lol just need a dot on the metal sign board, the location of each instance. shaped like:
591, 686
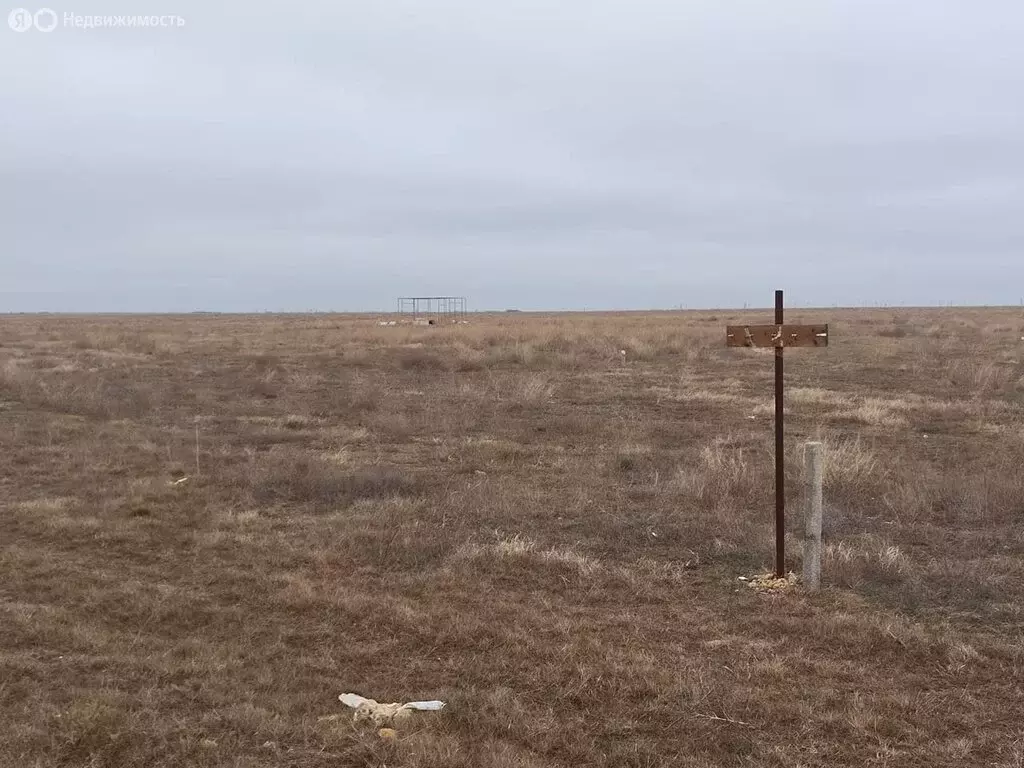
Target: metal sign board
770, 336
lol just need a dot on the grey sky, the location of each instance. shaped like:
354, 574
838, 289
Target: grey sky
527, 153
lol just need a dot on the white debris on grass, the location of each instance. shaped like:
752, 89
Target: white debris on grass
386, 714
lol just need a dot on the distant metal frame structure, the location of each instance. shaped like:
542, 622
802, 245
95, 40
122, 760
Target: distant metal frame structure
445, 308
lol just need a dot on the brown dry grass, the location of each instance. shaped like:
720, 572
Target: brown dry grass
512, 516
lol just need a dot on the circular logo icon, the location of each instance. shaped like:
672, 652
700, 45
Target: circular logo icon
45, 20
20, 20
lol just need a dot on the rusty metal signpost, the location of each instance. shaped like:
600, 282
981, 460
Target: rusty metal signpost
778, 336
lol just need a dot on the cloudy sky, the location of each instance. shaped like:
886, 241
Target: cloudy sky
334, 154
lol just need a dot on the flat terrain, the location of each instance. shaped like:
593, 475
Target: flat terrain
211, 526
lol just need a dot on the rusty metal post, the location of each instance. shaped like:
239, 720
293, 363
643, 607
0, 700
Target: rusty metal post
780, 451
778, 336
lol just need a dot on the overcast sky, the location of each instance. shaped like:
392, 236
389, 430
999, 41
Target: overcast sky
554, 154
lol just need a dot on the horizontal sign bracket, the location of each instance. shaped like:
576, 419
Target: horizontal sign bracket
777, 335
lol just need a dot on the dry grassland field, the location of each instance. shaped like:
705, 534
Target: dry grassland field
512, 517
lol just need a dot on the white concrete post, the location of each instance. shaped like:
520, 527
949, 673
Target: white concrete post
812, 522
